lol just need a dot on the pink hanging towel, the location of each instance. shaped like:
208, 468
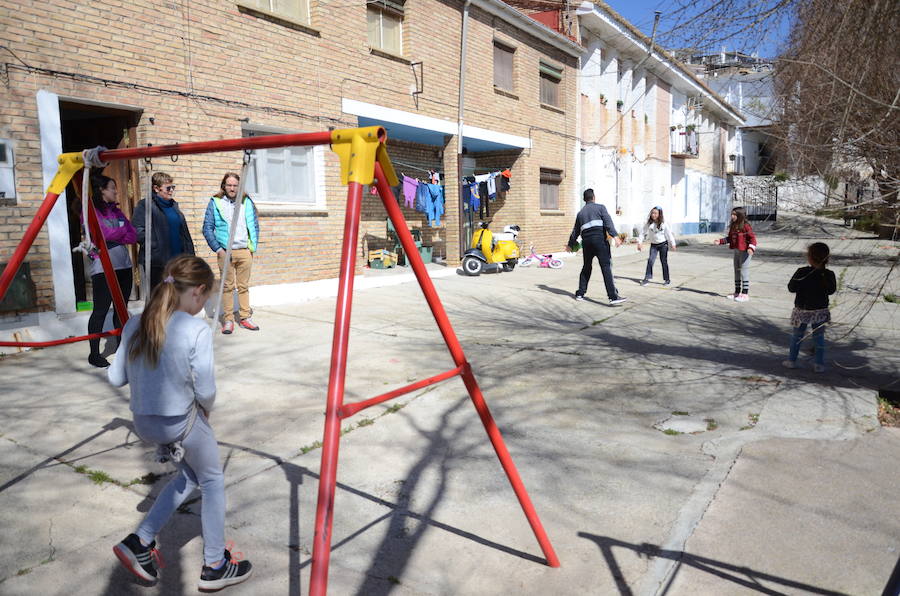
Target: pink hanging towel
410, 186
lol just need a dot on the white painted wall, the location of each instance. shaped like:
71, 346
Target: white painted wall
57, 222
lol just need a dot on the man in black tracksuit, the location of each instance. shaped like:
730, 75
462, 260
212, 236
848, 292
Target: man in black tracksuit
592, 224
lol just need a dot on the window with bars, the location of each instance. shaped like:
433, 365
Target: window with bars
503, 66
295, 10
284, 176
550, 180
384, 19
551, 76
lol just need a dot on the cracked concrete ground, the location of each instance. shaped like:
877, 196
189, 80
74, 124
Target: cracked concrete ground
789, 490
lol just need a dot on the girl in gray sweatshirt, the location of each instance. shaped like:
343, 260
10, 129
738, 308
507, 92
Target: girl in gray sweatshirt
166, 358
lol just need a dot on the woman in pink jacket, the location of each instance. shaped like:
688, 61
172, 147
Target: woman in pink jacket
118, 233
742, 241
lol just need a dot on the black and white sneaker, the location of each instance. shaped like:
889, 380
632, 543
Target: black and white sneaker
667, 284
579, 297
137, 558
644, 282
618, 300
231, 573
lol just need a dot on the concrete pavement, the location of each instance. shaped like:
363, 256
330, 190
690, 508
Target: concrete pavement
785, 482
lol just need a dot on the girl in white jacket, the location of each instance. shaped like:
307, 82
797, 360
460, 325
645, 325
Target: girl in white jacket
661, 239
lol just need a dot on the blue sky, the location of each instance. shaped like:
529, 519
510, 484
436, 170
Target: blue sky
640, 14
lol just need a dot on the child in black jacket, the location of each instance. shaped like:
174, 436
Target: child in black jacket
812, 285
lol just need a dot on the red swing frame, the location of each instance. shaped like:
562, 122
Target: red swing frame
364, 159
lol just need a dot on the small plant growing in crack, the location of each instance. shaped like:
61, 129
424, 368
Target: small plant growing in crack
97, 476
394, 408
672, 432
365, 422
680, 413
753, 419
711, 423
307, 448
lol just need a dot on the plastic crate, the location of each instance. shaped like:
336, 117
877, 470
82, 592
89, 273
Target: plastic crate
426, 253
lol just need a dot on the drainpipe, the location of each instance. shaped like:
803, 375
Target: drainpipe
459, 133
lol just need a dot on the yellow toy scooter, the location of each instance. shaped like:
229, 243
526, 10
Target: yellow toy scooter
492, 254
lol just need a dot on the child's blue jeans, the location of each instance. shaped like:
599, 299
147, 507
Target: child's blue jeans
201, 468
818, 334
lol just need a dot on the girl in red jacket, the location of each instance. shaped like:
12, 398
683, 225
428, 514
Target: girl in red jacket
742, 241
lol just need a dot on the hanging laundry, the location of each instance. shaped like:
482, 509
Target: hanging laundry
492, 185
410, 187
434, 177
423, 197
484, 209
506, 173
504, 183
435, 207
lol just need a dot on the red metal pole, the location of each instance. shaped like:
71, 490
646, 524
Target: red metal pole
437, 309
111, 280
266, 142
318, 579
348, 410
58, 342
9, 272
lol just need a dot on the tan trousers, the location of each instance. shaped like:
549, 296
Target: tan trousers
241, 263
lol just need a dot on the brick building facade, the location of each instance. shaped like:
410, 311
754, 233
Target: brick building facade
136, 73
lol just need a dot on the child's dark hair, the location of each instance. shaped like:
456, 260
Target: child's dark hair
659, 220
181, 273
740, 221
818, 253
98, 183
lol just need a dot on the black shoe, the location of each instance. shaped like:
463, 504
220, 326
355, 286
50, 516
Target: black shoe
98, 361
137, 558
231, 573
617, 300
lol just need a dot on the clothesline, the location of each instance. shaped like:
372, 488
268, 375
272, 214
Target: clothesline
415, 167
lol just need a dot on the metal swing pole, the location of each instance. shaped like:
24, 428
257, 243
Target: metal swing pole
236, 214
459, 358
321, 554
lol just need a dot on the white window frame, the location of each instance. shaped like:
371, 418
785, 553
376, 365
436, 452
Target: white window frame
268, 7
7, 172
312, 198
382, 10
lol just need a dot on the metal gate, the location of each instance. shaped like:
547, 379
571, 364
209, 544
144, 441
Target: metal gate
760, 200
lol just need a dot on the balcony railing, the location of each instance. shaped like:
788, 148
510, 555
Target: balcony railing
735, 165
685, 143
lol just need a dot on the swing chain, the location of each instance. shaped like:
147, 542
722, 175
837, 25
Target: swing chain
174, 158
247, 156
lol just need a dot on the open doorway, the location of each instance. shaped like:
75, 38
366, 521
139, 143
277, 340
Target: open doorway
87, 125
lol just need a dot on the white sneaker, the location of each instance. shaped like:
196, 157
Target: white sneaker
742, 298
789, 363
579, 297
